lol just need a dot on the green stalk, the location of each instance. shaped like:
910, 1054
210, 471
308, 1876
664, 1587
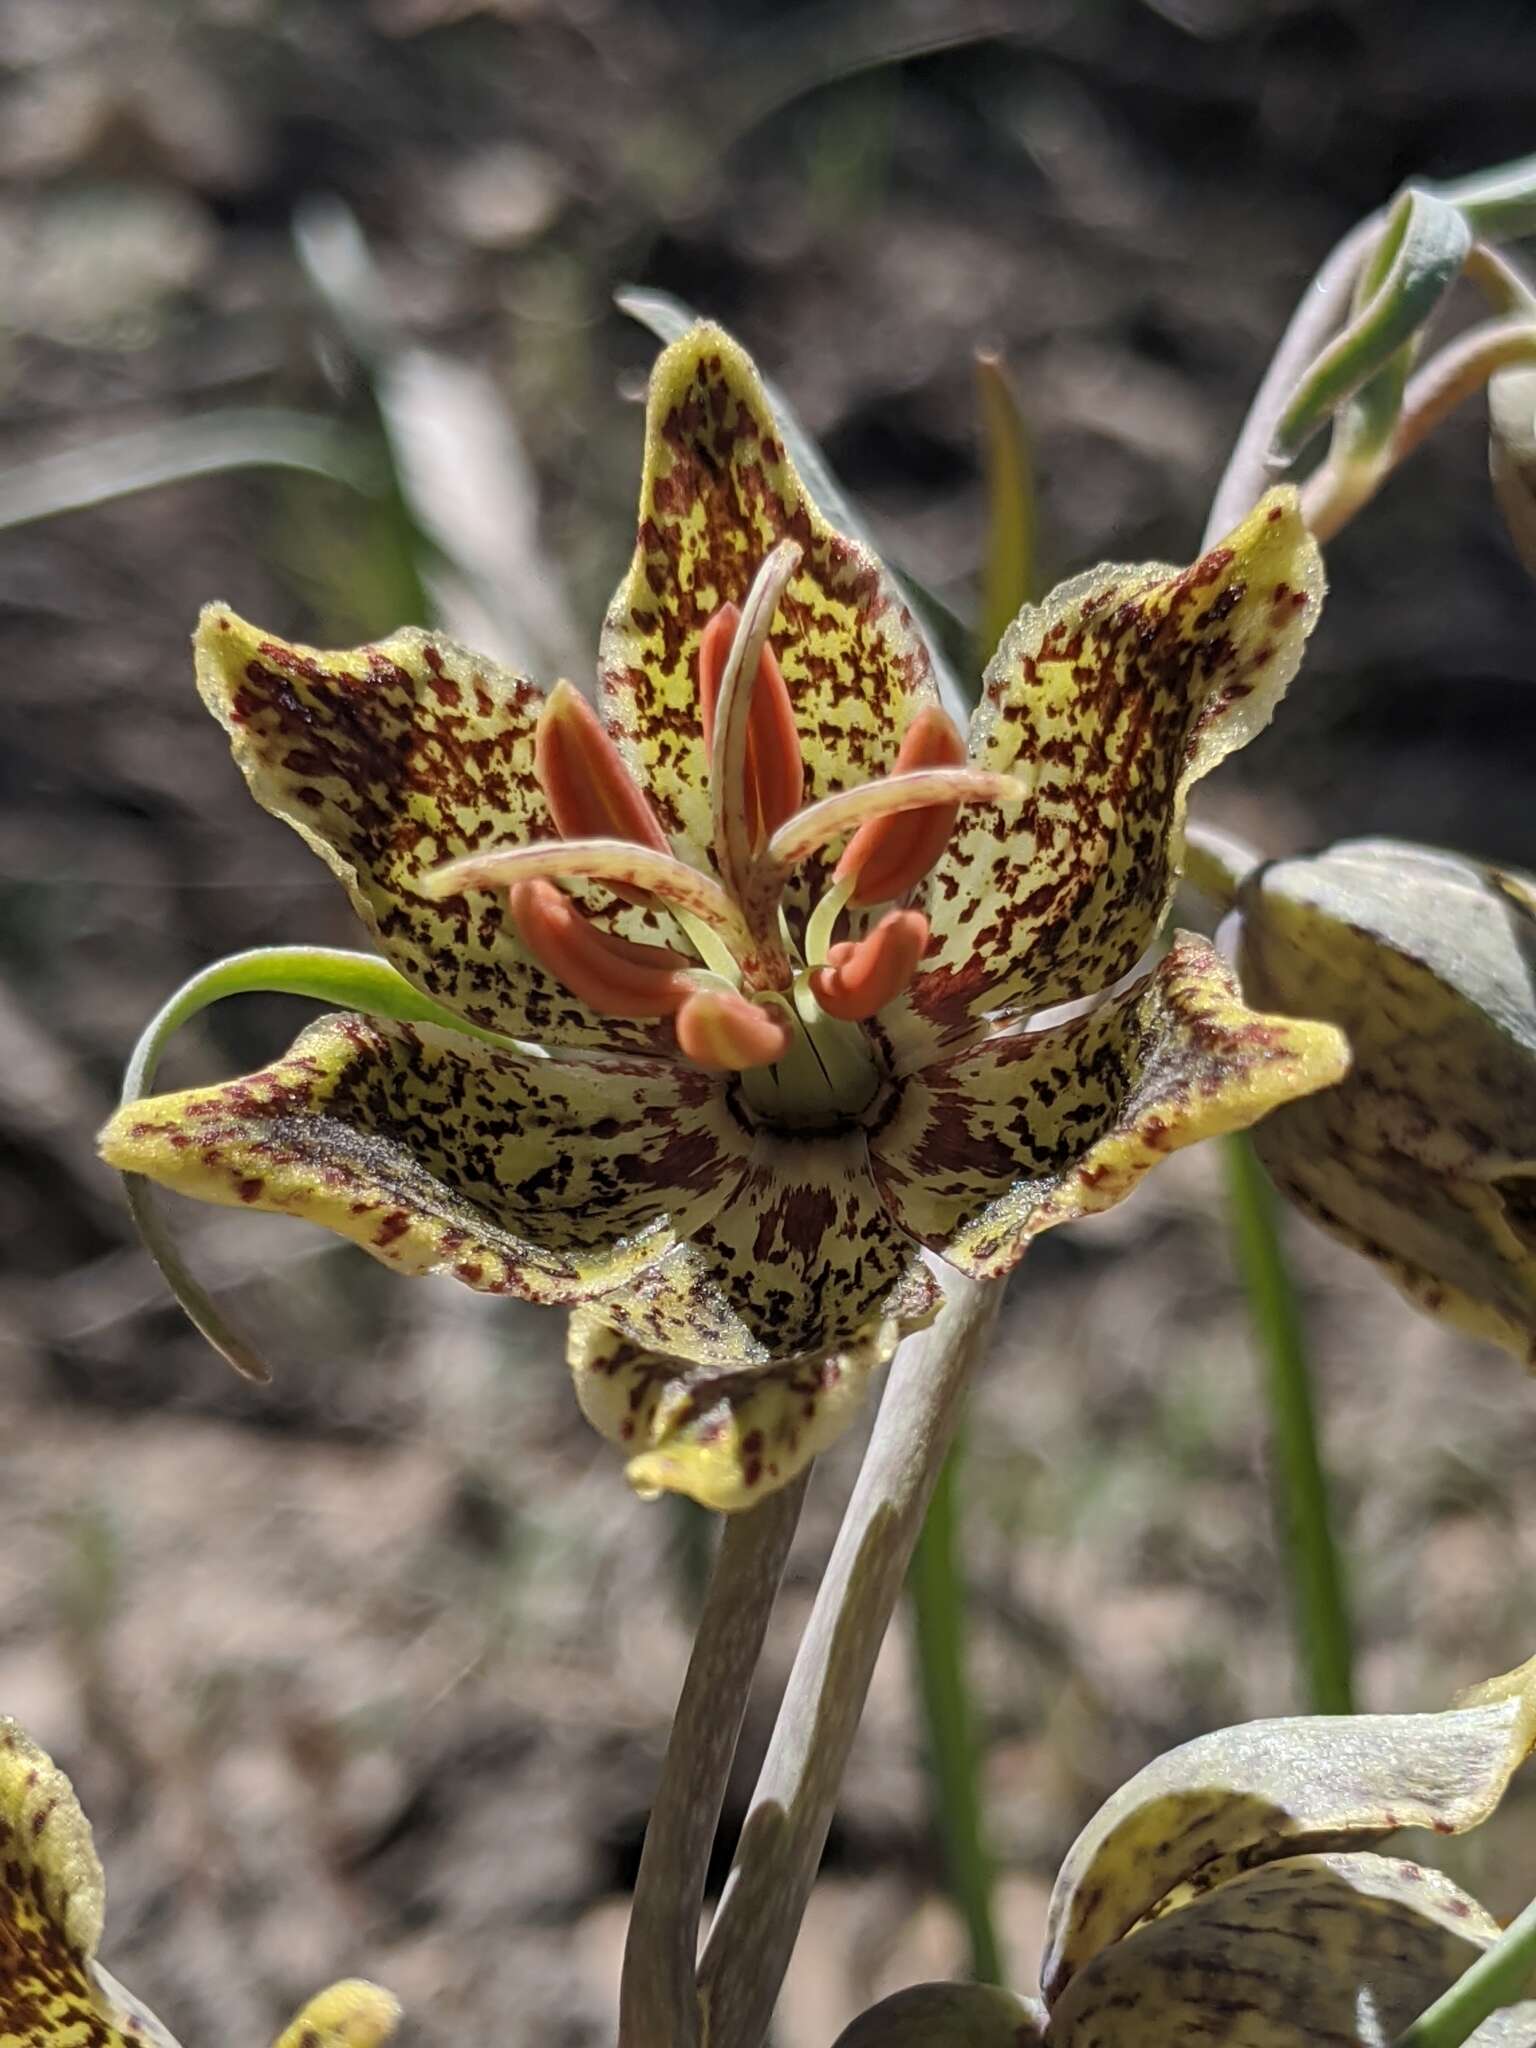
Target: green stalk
1300, 1485
1500, 1976
936, 1588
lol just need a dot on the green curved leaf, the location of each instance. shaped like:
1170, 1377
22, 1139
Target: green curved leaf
1419, 258
1499, 204
328, 974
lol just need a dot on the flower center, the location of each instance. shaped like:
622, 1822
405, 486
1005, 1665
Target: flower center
747, 999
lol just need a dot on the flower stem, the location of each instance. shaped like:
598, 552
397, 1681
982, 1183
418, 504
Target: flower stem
786, 1828
1334, 493
1300, 1484
658, 2005
1500, 1976
936, 1588
1321, 308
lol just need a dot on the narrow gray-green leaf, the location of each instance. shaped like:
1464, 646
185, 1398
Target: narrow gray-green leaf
1499, 204
123, 464
1425, 242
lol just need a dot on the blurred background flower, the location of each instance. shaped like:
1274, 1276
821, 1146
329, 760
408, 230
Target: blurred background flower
1424, 1157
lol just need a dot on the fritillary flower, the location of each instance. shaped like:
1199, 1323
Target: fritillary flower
728, 987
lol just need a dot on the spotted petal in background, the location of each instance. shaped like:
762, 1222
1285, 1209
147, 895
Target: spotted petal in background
53, 1992
1316, 1948
1230, 1893
1269, 1789
1425, 1160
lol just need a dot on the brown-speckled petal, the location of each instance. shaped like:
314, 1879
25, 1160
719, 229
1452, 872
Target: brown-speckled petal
986, 1148
801, 1260
1315, 1949
1269, 1789
553, 1179
718, 493
390, 761
724, 1438
1109, 699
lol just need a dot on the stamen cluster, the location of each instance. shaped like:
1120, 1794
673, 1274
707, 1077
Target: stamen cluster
749, 992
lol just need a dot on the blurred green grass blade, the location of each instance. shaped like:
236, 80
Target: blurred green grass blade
123, 464
466, 490
936, 1589
1303, 1509
1502, 1975
792, 55
1010, 567
668, 318
1422, 249
341, 979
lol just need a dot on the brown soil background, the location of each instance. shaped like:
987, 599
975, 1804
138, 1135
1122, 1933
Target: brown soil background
371, 1670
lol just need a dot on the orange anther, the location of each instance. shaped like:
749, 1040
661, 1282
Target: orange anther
775, 771
891, 855
862, 975
722, 1031
614, 976
591, 794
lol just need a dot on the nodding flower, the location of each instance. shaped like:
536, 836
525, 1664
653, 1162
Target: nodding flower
725, 982
1231, 1892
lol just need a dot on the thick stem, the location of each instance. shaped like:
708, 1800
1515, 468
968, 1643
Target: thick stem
658, 2004
936, 1589
1302, 1505
786, 1828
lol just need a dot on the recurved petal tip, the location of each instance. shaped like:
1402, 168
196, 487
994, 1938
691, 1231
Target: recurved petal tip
725, 1439
351, 2014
